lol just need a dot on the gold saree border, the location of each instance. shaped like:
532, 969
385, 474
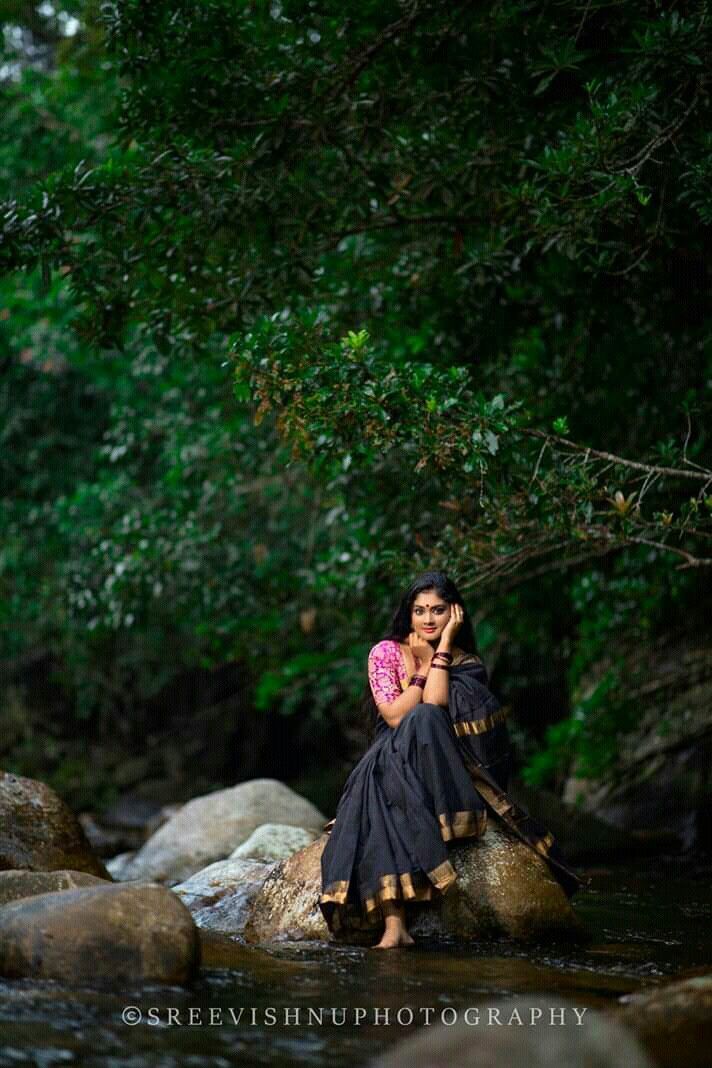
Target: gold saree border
480, 726
511, 813
462, 824
394, 887
405, 887
336, 892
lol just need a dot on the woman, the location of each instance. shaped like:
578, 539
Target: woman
440, 759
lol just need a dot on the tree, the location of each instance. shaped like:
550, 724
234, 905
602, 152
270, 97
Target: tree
510, 199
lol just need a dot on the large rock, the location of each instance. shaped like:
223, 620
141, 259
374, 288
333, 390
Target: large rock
39, 832
119, 867
522, 1032
209, 828
101, 935
673, 1021
503, 888
286, 905
17, 884
220, 896
273, 841
125, 825
105, 843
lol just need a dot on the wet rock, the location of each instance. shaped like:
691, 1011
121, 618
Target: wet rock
503, 889
39, 832
519, 1036
220, 896
118, 866
105, 842
100, 935
164, 814
264, 967
18, 884
210, 828
274, 841
125, 825
286, 905
673, 1021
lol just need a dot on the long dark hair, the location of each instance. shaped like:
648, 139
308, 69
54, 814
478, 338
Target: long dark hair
401, 627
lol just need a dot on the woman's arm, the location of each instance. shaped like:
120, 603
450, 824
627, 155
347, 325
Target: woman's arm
384, 673
437, 683
395, 711
437, 686
435, 691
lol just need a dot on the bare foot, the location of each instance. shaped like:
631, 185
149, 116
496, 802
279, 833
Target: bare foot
393, 939
396, 932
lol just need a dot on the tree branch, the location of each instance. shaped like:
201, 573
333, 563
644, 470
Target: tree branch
673, 472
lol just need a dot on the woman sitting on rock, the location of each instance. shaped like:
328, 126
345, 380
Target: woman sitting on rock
440, 760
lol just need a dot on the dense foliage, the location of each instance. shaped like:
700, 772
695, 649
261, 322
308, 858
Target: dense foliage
455, 256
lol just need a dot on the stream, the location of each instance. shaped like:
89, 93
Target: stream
649, 922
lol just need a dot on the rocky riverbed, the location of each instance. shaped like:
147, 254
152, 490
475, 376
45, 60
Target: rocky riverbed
224, 917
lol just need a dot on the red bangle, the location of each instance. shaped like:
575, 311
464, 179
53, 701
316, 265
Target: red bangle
443, 667
417, 680
444, 656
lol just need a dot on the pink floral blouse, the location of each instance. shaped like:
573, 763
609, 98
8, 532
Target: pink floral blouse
387, 672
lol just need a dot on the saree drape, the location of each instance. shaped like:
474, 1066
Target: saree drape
428, 782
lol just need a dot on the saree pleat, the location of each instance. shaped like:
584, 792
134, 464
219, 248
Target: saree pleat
426, 783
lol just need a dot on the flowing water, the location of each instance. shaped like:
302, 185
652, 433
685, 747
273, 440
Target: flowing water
648, 923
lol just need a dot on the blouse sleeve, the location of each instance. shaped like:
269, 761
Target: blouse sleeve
384, 673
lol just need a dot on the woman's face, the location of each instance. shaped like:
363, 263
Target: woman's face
429, 615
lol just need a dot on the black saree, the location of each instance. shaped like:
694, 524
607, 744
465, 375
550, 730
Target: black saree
430, 781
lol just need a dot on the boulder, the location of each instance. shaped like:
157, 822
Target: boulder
509, 1032
17, 884
39, 832
273, 841
124, 825
220, 896
105, 843
209, 828
286, 906
503, 889
119, 867
673, 1021
100, 935
164, 814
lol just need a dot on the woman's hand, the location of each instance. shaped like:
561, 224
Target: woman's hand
422, 651
452, 626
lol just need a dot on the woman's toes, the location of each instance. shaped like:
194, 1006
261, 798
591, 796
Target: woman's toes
393, 941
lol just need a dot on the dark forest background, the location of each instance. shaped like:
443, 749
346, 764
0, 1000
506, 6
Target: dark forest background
297, 300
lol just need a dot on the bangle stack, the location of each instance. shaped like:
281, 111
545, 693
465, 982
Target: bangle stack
441, 660
417, 680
